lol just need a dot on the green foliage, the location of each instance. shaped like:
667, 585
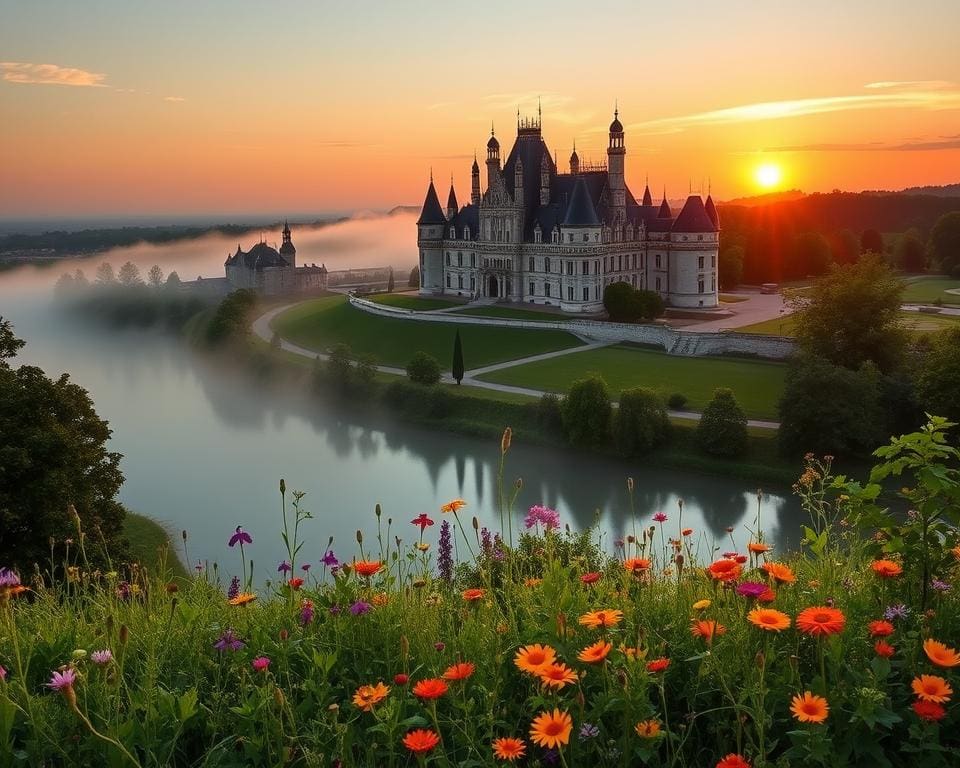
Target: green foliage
938, 377
366, 372
423, 369
944, 242
851, 316
625, 304
677, 401
414, 280
9, 343
845, 247
587, 412
730, 269
871, 241
339, 368
830, 409
909, 254
550, 414
641, 422
457, 368
811, 254
722, 430
231, 321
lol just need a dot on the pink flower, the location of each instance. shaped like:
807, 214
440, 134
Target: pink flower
101, 657
3, 673
660, 517
62, 680
261, 663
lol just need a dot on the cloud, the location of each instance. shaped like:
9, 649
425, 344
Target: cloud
174, 98
49, 74
893, 98
875, 146
930, 85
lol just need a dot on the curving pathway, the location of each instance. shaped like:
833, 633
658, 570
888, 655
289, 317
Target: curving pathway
262, 328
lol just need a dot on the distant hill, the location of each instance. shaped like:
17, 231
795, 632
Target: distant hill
770, 197
947, 190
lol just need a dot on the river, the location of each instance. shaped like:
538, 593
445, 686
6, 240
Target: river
204, 448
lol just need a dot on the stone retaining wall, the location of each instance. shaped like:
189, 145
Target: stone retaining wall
673, 342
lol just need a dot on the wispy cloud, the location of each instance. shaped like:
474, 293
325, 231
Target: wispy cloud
947, 97
927, 85
947, 142
174, 98
26, 73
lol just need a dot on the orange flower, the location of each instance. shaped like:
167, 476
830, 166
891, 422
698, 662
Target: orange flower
820, 620
508, 748
551, 729
724, 570
880, 628
590, 578
367, 696
380, 599
367, 567
636, 565
473, 594
556, 675
931, 688
532, 582
809, 708
531, 658
940, 654
956, 552
596, 653
421, 740
769, 619
430, 688
648, 729
778, 572
243, 599
604, 619
707, 629
884, 649
632, 653
733, 760
886, 568
767, 596
929, 710
459, 671
686, 531
658, 665
453, 506
758, 547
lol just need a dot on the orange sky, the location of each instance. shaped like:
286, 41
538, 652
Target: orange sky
112, 108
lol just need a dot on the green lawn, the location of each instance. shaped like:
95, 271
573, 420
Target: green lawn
757, 384
916, 322
409, 301
146, 538
925, 290
776, 327
514, 314
321, 323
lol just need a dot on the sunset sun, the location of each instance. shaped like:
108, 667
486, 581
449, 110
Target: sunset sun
767, 175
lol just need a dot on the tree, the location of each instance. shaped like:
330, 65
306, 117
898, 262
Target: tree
53, 455
811, 254
845, 247
944, 242
414, 281
155, 276
366, 372
730, 270
909, 254
851, 315
232, 317
938, 381
423, 369
339, 365
871, 241
587, 412
641, 422
80, 279
830, 409
457, 358
390, 283
722, 430
129, 275
618, 300
105, 275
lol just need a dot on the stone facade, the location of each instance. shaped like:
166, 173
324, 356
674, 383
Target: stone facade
274, 273
539, 236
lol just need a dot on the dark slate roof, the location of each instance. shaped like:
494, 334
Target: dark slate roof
476, 166
452, 199
287, 247
647, 197
616, 126
468, 216
432, 213
493, 143
693, 217
580, 211
259, 257
712, 212
665, 212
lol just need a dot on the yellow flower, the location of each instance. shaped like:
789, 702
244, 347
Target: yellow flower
702, 605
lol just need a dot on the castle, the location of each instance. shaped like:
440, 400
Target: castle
271, 272
539, 236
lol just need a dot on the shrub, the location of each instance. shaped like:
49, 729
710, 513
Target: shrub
423, 369
587, 412
722, 430
231, 320
339, 368
641, 422
550, 414
649, 304
677, 402
618, 300
366, 371
938, 382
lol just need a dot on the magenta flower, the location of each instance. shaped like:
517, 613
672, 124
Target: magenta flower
751, 589
8, 578
3, 674
329, 559
305, 567
539, 514
284, 567
101, 657
241, 537
439, 646
423, 521
306, 612
62, 680
359, 608
260, 664
660, 517
228, 641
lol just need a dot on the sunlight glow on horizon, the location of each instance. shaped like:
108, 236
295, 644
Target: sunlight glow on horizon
768, 175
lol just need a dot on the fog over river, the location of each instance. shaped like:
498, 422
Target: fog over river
204, 447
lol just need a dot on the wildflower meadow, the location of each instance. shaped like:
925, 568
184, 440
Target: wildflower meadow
529, 645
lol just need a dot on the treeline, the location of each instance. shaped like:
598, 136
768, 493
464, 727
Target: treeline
794, 239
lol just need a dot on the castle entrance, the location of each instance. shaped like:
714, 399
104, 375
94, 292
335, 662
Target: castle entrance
492, 287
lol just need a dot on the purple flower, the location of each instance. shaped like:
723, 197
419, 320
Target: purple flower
660, 517
229, 642
551, 757
61, 680
498, 553
260, 664
899, 611
305, 567
940, 586
360, 607
123, 590
329, 559
101, 657
751, 589
306, 612
445, 553
548, 518
284, 567
8, 578
486, 542
439, 646
334, 610
241, 537
588, 731
234, 588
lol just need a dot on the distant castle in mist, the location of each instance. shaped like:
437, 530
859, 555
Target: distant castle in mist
540, 236
271, 272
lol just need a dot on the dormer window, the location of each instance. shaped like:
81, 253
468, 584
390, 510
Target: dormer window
466, 233
537, 235
453, 233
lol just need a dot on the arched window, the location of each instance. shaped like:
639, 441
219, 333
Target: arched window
466, 233
453, 233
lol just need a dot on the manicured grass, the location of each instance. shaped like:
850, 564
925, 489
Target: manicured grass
925, 290
514, 314
146, 538
324, 322
916, 322
775, 327
410, 301
756, 384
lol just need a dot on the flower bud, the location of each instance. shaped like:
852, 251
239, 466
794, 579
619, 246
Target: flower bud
278, 697
283, 486
476, 523
377, 511
630, 484
506, 440
79, 653
519, 484
124, 634
359, 536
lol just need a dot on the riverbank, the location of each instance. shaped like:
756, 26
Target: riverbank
152, 545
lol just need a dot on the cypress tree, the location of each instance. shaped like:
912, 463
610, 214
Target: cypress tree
457, 358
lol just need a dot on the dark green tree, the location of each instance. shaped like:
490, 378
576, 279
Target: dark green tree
457, 370
53, 455
231, 320
722, 429
423, 369
909, 254
173, 280
871, 241
641, 422
340, 366
944, 243
730, 269
619, 301
587, 412
845, 246
390, 283
811, 254
938, 380
851, 315
414, 281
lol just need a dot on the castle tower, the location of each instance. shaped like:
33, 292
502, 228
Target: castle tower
518, 181
452, 206
544, 179
574, 160
493, 159
287, 250
475, 182
430, 228
615, 160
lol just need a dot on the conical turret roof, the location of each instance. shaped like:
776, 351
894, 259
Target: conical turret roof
432, 213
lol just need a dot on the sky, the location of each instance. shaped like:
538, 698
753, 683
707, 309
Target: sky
129, 108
